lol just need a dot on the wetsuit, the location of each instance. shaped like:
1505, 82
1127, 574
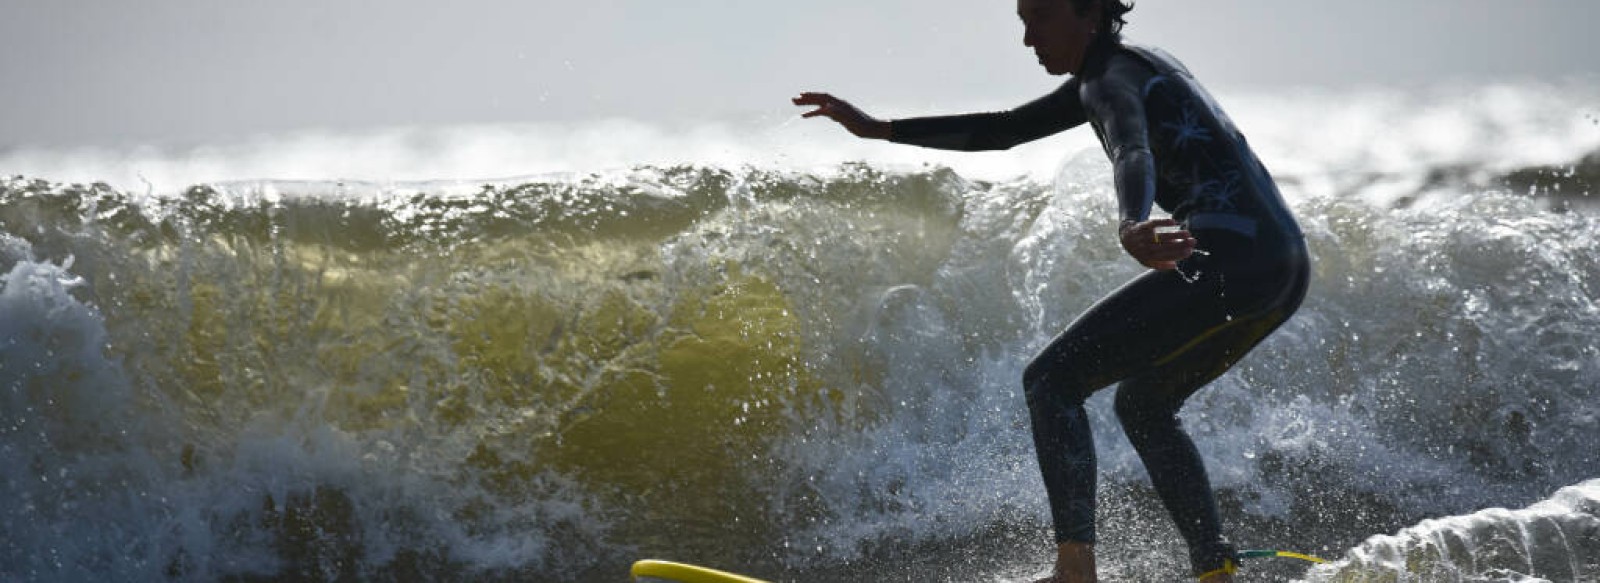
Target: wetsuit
1164, 334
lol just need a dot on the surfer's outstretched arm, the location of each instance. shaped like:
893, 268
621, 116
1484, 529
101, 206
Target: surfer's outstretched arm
1000, 130
1061, 110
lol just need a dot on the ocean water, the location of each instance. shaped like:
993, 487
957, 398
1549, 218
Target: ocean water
769, 349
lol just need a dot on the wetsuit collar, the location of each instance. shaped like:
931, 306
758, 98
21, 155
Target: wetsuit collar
1100, 51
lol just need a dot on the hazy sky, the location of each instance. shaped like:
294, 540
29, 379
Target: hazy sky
82, 72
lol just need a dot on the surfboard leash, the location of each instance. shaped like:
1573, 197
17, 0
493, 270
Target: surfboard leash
1259, 553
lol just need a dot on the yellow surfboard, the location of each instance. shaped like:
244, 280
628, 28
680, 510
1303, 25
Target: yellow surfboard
684, 573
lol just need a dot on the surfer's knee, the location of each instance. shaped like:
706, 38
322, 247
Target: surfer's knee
1033, 380
1138, 409
1050, 382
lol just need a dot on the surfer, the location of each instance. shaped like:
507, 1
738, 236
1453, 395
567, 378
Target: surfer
1226, 269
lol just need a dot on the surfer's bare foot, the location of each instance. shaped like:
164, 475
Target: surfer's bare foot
1074, 564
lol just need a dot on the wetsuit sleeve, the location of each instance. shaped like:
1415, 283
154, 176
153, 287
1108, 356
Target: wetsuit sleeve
1058, 111
1117, 101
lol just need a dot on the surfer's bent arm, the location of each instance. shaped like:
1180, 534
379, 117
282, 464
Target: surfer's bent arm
1117, 101
1053, 113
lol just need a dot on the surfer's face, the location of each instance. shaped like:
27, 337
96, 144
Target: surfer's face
1057, 33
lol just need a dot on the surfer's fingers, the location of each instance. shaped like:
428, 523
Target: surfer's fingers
814, 98
825, 104
1179, 236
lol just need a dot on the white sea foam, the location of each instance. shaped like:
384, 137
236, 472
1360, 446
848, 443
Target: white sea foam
1326, 137
1557, 539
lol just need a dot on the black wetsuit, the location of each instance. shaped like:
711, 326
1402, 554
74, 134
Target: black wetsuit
1165, 334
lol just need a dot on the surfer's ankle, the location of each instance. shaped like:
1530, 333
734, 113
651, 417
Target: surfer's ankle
1215, 562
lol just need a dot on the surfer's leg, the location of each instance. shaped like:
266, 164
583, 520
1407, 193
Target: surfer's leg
1098, 349
1121, 335
1147, 405
1149, 414
1065, 446
1148, 325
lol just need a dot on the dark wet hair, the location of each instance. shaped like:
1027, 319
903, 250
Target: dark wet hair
1111, 12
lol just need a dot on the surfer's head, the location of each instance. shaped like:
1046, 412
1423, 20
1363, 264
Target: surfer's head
1060, 32
1111, 13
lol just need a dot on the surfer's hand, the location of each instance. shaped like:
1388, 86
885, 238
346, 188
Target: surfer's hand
839, 110
1153, 248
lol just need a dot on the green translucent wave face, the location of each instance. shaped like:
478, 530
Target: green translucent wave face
645, 336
